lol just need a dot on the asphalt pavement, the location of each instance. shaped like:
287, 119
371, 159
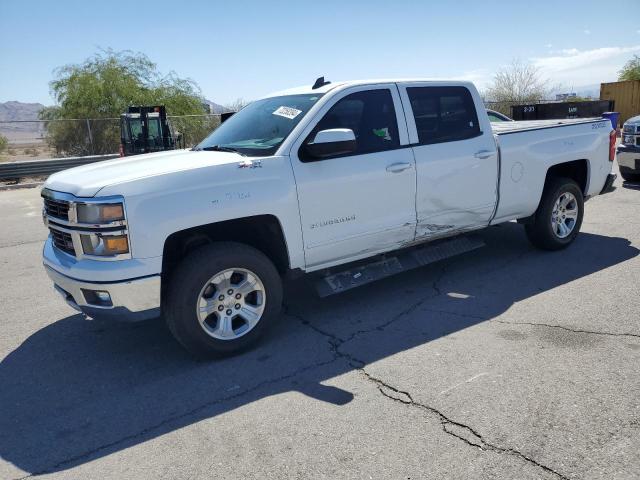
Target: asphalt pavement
506, 362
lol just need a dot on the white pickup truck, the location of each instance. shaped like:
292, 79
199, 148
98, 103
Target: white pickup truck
341, 179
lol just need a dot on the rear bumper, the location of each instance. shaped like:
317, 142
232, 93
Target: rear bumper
628, 157
608, 184
129, 300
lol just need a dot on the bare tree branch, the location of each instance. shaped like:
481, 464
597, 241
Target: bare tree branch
517, 83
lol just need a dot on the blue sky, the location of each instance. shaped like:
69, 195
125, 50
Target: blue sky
249, 48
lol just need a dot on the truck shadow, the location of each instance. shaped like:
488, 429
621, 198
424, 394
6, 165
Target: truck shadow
78, 390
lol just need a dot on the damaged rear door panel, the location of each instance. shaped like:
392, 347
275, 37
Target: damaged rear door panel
456, 158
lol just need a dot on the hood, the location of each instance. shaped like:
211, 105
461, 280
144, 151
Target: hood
633, 120
88, 180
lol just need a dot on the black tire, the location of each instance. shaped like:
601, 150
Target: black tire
630, 177
193, 273
540, 231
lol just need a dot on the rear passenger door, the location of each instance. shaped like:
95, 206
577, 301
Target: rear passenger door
456, 158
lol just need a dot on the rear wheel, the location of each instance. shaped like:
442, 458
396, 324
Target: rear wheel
222, 298
557, 221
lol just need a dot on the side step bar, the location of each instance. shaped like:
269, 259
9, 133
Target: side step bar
402, 262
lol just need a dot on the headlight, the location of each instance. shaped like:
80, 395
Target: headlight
104, 245
100, 213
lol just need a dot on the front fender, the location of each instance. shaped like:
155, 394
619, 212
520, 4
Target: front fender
160, 205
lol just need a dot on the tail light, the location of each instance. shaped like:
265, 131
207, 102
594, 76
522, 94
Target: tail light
612, 145
122, 150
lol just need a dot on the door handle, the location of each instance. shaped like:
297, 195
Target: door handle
398, 167
482, 154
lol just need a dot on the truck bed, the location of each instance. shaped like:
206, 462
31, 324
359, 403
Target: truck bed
528, 149
504, 128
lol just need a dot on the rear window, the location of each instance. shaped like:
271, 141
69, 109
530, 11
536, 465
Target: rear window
443, 114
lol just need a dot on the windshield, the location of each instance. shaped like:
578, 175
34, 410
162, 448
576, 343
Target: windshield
260, 127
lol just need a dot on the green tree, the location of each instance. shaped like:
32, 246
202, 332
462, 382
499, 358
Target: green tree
101, 88
631, 69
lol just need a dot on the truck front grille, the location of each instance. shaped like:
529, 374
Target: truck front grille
631, 129
62, 240
57, 208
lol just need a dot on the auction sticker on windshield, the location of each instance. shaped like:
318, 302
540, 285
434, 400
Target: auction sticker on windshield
287, 112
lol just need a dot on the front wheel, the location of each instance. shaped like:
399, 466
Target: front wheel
557, 221
222, 298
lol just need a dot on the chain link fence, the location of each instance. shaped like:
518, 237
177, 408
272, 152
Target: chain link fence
40, 139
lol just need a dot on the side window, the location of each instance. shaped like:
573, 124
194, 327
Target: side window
371, 116
136, 128
153, 126
124, 129
443, 114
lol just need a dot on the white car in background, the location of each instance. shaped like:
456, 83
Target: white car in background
497, 116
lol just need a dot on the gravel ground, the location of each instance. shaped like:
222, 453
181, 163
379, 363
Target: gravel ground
506, 362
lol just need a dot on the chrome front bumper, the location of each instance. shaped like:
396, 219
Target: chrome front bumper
628, 157
130, 300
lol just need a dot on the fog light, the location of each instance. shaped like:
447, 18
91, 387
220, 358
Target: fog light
98, 298
103, 296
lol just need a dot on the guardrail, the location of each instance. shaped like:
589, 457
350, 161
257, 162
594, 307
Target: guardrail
13, 170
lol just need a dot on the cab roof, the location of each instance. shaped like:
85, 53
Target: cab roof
308, 89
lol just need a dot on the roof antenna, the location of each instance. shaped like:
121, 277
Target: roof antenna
320, 83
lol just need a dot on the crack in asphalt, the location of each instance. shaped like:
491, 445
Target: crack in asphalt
568, 329
411, 308
463, 432
449, 426
456, 429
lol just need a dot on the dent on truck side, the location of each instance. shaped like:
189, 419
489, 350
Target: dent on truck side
161, 206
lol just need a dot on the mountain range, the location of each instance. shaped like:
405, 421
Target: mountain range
12, 111
19, 111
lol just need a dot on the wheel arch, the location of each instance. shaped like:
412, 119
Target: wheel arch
263, 232
577, 170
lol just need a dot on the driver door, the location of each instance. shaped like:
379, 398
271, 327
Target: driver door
361, 203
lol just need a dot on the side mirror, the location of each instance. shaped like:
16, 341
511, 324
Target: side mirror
334, 141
